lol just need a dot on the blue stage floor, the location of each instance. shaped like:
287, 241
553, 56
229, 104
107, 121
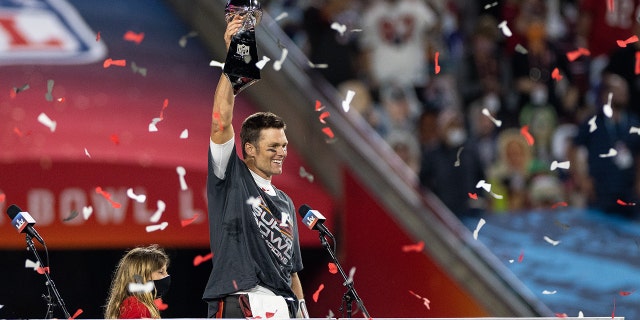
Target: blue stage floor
594, 265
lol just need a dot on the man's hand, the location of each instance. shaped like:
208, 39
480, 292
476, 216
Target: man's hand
232, 28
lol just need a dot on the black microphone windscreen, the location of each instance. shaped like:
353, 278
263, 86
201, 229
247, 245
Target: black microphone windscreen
13, 211
304, 209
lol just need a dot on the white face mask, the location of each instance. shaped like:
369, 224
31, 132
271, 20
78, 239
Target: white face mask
456, 137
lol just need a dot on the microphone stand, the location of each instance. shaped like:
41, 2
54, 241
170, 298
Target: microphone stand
50, 284
351, 294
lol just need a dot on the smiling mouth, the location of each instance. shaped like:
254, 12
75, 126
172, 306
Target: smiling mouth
278, 162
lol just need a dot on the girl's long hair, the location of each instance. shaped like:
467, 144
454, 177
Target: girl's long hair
135, 266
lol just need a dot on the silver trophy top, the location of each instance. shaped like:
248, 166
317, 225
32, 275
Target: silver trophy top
249, 9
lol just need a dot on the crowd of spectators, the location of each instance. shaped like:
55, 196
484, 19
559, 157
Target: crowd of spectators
538, 98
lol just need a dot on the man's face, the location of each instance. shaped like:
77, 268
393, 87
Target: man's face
268, 156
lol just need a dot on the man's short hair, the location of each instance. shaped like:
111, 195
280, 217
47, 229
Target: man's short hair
255, 123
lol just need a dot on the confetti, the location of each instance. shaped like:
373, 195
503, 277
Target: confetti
637, 66
521, 49
549, 292
592, 124
473, 196
551, 241
521, 256
71, 216
183, 40
317, 293
555, 74
559, 204
317, 66
235, 284
282, 16
352, 271
635, 130
495, 195
613, 312
138, 198
181, 173
2, 197
108, 197
158, 214
86, 212
18, 132
490, 5
612, 153
481, 223
323, 116
341, 28
49, 96
622, 203
32, 264
136, 69
98, 36
457, 163
417, 247
43, 270
260, 64
198, 260
254, 202
284, 219
630, 40
184, 134
561, 315
303, 174
110, 62
278, 64
328, 132
140, 287
189, 221
505, 29
607, 109
47, 122
86, 152
76, 314
482, 184
214, 63
625, 293
575, 54
562, 165
346, 103
524, 131
487, 113
436, 65
333, 269
425, 301
610, 5
157, 227
133, 37
319, 105
14, 92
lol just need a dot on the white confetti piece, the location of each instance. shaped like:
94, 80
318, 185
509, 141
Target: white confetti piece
607, 109
141, 287
457, 163
86, 152
580, 314
158, 214
512, 260
521, 49
32, 264
551, 241
47, 122
49, 96
487, 113
181, 173
592, 124
282, 16
157, 227
549, 292
260, 64
284, 219
86, 212
138, 198
152, 125
254, 202
184, 134
484, 185
317, 66
350, 278
505, 29
496, 196
635, 130
612, 153
490, 5
278, 64
481, 223
341, 28
562, 165
346, 104
305, 174
214, 63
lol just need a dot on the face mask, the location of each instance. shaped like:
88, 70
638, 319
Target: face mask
162, 286
456, 137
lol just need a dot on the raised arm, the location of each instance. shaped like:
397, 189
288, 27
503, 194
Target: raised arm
221, 128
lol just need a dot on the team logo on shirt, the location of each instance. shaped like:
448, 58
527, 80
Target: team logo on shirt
277, 233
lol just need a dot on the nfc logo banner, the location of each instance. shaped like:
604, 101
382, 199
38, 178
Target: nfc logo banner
45, 32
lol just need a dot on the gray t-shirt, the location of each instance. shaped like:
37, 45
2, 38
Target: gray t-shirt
252, 240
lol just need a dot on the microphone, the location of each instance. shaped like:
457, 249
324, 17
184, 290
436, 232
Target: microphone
23, 222
313, 219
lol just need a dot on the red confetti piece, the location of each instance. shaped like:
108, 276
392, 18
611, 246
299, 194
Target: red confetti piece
555, 74
575, 54
613, 312
216, 117
333, 269
107, 196
561, 315
626, 293
134, 37
559, 204
165, 104
235, 285
189, 221
610, 6
17, 132
75, 315
437, 66
525, 133
637, 69
323, 116
630, 40
622, 203
521, 256
98, 36
473, 196
2, 197
12, 93
328, 132
115, 139
43, 270
200, 259
160, 305
425, 301
319, 105
270, 314
317, 293
110, 62
413, 247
